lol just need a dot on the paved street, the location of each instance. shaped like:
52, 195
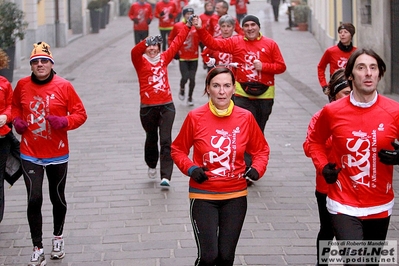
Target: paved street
117, 216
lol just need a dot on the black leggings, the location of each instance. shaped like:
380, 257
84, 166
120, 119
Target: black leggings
188, 69
140, 35
326, 231
352, 228
33, 176
217, 226
5, 146
165, 35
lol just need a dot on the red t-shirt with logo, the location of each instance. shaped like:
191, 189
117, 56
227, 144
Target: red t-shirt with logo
364, 185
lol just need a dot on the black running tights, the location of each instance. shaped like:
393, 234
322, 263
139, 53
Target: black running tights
33, 176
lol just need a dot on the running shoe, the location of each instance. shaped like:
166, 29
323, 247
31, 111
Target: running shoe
165, 182
190, 101
152, 173
57, 252
37, 258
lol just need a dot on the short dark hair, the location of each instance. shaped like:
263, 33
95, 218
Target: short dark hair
224, 4
358, 52
216, 71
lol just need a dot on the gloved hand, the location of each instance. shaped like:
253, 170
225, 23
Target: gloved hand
252, 174
136, 20
189, 21
171, 16
153, 40
158, 39
149, 41
57, 122
199, 175
20, 125
330, 173
162, 13
326, 90
390, 157
211, 62
148, 21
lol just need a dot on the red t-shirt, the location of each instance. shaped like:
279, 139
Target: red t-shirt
364, 185
143, 13
221, 58
241, 6
244, 52
219, 144
168, 11
336, 58
32, 103
5, 103
321, 184
189, 49
153, 78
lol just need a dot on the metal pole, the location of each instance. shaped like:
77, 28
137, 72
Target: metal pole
57, 23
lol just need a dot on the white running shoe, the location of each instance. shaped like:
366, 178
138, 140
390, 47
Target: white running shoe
165, 182
37, 258
152, 173
57, 252
190, 102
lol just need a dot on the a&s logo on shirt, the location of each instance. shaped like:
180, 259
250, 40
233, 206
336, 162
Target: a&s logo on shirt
223, 144
357, 161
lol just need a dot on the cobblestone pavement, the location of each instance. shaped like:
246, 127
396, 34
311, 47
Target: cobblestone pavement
117, 216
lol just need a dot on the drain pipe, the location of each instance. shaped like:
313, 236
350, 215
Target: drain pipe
57, 24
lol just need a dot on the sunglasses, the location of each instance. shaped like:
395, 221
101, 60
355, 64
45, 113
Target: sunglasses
43, 61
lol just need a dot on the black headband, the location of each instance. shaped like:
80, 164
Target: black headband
337, 88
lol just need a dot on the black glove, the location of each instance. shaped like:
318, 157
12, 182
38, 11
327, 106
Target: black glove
162, 14
251, 173
199, 175
177, 56
136, 21
148, 21
330, 173
171, 16
388, 156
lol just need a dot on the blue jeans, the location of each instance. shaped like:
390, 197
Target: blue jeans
153, 119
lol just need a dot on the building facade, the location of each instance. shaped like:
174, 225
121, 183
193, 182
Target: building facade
57, 22
373, 20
